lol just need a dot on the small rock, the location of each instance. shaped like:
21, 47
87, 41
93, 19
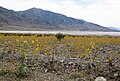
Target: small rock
80, 79
61, 61
33, 68
46, 70
100, 79
116, 74
71, 63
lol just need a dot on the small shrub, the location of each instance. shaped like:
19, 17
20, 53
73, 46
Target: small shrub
4, 72
22, 71
59, 36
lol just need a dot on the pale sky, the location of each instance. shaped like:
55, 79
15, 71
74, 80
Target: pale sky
102, 12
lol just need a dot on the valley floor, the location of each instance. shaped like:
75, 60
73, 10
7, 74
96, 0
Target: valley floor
94, 33
41, 57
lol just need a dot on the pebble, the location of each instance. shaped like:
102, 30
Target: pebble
116, 74
100, 79
46, 70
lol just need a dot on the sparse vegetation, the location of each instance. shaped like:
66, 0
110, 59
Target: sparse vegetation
29, 57
4, 72
60, 36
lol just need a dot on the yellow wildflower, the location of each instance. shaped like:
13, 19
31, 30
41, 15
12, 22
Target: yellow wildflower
27, 49
33, 42
36, 40
108, 60
83, 55
37, 44
26, 54
22, 44
37, 49
91, 60
45, 53
21, 37
25, 41
92, 46
17, 40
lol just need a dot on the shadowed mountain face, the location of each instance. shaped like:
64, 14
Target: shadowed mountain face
38, 19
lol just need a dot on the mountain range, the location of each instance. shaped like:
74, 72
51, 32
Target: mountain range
114, 28
39, 19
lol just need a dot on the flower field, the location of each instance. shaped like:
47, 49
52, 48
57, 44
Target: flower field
26, 57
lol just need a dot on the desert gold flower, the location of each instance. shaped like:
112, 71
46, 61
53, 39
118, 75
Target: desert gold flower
26, 54
21, 37
22, 45
25, 41
36, 40
37, 49
107, 60
17, 40
45, 53
110, 59
33, 42
27, 49
83, 55
91, 60
90, 52
38, 45
92, 46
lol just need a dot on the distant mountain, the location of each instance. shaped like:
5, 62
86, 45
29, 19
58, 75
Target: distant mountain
114, 28
38, 19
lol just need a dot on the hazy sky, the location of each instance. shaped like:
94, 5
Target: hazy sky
103, 12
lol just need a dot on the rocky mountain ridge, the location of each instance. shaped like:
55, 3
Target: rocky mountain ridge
38, 19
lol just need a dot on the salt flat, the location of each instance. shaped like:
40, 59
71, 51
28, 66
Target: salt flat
97, 33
